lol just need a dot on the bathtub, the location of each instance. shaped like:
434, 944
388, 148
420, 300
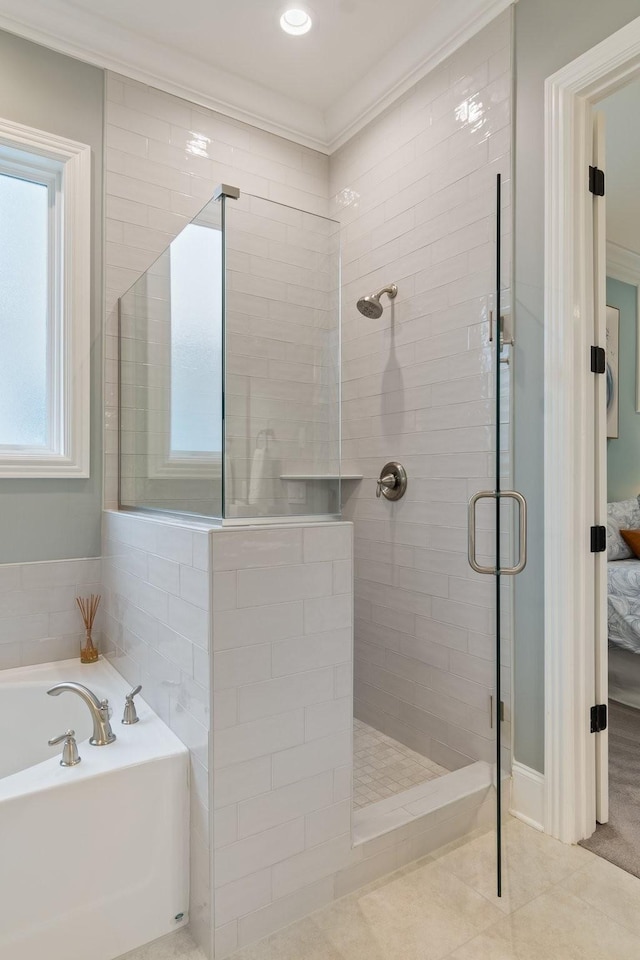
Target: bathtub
94, 857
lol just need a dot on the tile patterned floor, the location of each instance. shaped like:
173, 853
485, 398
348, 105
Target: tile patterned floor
177, 946
559, 902
382, 767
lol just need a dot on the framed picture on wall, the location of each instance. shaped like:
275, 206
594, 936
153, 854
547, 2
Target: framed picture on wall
613, 336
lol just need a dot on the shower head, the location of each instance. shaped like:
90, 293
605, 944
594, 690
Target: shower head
371, 307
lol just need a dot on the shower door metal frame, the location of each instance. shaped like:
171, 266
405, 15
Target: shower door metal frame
497, 570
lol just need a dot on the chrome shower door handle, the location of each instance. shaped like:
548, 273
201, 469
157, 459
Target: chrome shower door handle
522, 552
522, 537
473, 563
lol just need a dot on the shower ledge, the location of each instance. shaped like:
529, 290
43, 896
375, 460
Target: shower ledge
426, 804
321, 476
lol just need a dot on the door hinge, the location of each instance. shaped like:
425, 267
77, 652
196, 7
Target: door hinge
599, 718
598, 539
598, 360
596, 181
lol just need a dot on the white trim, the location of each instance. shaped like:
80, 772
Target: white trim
623, 264
99, 41
72, 456
527, 795
454, 25
569, 428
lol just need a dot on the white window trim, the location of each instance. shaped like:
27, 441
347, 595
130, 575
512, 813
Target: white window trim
73, 443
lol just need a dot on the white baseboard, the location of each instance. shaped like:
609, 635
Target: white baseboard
527, 795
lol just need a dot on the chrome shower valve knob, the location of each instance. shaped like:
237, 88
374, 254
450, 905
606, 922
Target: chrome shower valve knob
392, 481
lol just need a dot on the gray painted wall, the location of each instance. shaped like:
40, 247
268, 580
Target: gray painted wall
548, 35
58, 519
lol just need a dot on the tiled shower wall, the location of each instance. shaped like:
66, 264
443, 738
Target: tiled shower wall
164, 158
415, 192
282, 360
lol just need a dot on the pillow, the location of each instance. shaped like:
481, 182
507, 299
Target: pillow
623, 514
632, 539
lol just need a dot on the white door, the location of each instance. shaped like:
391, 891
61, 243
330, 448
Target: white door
601, 693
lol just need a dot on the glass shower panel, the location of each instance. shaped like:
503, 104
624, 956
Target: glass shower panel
171, 376
282, 372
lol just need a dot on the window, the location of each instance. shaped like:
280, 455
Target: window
44, 304
189, 381
196, 349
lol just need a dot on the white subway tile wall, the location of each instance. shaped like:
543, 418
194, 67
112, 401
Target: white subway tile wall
156, 629
164, 157
282, 360
39, 618
415, 192
282, 741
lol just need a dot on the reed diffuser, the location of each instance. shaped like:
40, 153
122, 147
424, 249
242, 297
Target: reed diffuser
88, 608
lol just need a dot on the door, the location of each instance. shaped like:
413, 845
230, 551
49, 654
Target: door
601, 678
505, 502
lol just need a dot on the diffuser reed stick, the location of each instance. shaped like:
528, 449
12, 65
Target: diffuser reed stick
88, 607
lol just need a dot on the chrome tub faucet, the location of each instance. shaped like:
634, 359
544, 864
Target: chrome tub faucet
99, 710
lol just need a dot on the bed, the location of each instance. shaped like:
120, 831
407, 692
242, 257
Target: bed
623, 578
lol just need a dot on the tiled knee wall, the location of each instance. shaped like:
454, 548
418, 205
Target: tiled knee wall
282, 718
156, 626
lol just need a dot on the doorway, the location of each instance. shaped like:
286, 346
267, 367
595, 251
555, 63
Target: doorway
576, 675
617, 834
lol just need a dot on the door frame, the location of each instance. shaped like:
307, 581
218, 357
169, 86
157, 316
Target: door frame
569, 461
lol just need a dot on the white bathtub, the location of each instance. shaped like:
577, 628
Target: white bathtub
93, 858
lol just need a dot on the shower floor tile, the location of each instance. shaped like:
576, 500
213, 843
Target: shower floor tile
382, 767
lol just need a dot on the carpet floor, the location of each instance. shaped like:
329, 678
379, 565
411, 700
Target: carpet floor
619, 839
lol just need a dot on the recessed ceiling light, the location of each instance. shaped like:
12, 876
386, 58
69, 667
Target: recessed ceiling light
296, 22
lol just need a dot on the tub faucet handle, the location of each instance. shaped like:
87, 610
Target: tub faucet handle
130, 715
70, 754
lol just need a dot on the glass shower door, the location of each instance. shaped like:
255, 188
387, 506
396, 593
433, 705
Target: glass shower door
502, 502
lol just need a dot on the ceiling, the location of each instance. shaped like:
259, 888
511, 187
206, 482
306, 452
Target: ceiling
318, 89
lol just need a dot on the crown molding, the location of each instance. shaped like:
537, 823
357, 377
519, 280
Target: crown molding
623, 264
104, 44
450, 25
61, 26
